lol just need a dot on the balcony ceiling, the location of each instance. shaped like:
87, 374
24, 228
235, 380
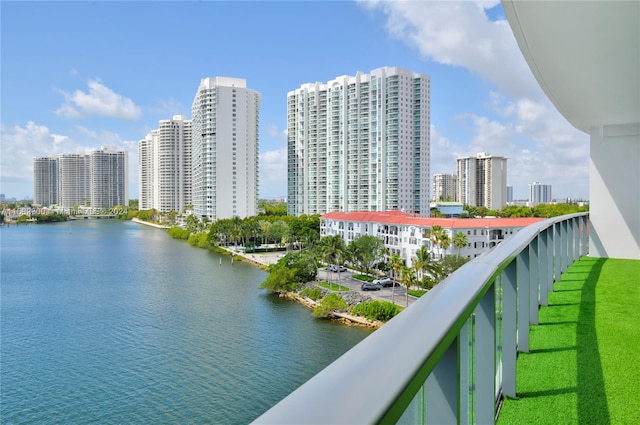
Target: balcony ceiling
585, 56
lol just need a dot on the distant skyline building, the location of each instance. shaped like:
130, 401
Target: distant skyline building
164, 166
109, 177
225, 149
509, 194
74, 180
98, 180
482, 181
360, 143
45, 181
445, 187
539, 194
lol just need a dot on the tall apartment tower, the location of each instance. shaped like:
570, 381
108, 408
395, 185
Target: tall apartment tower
164, 166
109, 178
225, 143
45, 181
74, 180
359, 143
445, 187
482, 181
539, 193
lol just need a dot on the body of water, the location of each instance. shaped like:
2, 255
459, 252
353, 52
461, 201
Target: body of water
112, 322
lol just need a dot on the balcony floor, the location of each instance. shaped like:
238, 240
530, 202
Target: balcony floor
584, 361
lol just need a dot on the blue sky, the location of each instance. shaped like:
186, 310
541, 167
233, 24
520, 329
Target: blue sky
78, 75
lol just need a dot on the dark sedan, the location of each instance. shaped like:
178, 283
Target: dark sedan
370, 286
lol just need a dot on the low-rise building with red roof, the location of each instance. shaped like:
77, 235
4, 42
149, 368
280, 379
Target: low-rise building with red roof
405, 233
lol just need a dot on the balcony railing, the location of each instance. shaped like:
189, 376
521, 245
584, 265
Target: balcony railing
451, 356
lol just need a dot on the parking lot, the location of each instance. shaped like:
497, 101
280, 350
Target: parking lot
384, 294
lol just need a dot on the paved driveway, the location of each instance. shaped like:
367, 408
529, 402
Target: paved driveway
385, 294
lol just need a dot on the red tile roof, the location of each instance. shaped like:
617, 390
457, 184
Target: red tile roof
400, 217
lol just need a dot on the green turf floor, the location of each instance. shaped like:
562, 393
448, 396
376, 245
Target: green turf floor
584, 362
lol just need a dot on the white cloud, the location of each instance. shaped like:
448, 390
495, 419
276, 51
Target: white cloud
99, 100
538, 141
275, 133
273, 173
461, 34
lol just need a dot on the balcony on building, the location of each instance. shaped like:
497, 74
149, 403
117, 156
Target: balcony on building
544, 328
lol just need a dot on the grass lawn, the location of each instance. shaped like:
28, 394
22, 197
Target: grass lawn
584, 361
332, 286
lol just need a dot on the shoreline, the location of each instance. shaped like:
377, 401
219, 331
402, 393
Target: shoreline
146, 223
264, 260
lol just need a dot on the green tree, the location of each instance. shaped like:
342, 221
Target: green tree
460, 240
328, 305
425, 268
278, 232
280, 279
451, 263
366, 250
408, 277
332, 250
193, 223
396, 265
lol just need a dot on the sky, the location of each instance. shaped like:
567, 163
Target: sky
75, 76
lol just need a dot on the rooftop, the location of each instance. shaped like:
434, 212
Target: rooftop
400, 217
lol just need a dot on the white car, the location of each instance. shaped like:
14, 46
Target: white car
385, 282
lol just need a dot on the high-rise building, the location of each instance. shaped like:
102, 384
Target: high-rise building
539, 193
74, 180
482, 181
45, 181
109, 178
445, 187
509, 194
225, 143
360, 143
164, 166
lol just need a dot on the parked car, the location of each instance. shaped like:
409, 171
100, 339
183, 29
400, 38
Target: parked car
337, 269
385, 282
370, 286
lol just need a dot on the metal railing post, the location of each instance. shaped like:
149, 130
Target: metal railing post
509, 329
557, 252
485, 363
534, 282
522, 273
543, 262
564, 253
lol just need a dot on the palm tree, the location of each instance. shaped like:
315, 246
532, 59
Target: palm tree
460, 241
445, 242
408, 279
439, 237
332, 250
396, 264
421, 261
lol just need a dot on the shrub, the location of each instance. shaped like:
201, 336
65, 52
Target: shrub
364, 277
179, 233
377, 310
313, 293
199, 240
329, 304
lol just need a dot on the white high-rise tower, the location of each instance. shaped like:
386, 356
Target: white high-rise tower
45, 181
482, 181
109, 178
225, 149
74, 180
360, 143
164, 166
